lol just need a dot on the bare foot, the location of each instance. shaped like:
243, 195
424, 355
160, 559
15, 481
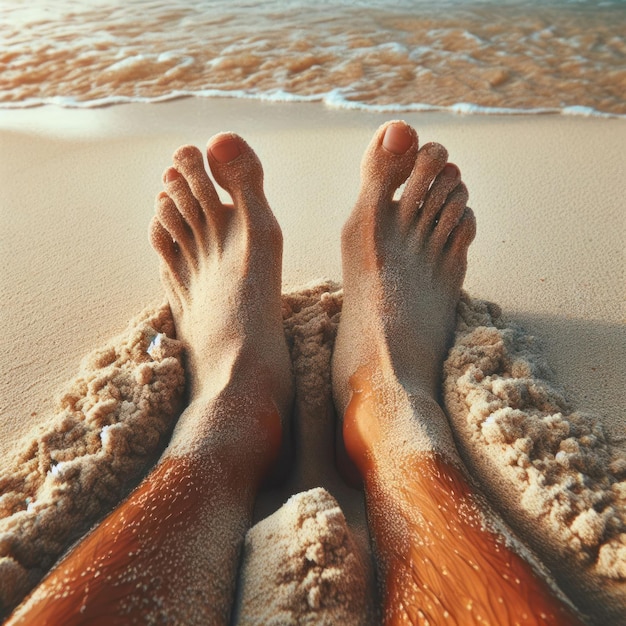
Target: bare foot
403, 266
221, 269
169, 553
441, 554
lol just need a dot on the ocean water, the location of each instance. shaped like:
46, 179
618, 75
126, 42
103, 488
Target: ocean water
462, 55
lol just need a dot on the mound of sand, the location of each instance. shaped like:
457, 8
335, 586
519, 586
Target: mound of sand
302, 566
108, 427
551, 472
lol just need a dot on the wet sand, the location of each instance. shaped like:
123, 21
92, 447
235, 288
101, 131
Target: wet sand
518, 55
78, 195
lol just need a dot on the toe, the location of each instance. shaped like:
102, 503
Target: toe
459, 240
449, 216
237, 169
425, 216
164, 246
178, 190
387, 163
188, 161
179, 230
429, 163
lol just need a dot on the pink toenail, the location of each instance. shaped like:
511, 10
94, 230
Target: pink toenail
225, 150
451, 170
170, 175
398, 138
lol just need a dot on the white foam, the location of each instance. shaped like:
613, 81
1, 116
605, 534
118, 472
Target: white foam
337, 99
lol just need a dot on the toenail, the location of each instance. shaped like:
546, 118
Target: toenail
451, 170
170, 175
398, 138
225, 150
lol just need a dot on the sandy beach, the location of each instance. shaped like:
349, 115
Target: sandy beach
78, 195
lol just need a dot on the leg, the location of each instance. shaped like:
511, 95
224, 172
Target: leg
440, 555
169, 552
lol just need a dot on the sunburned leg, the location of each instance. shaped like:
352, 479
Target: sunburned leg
169, 553
440, 558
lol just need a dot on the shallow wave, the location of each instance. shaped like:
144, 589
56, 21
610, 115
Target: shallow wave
469, 58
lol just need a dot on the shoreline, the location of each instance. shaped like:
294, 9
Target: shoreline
77, 263
79, 195
328, 100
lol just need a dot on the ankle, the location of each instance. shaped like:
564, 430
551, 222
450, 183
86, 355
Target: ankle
387, 422
240, 428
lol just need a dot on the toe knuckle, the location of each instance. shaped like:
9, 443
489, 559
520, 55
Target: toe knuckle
436, 151
187, 153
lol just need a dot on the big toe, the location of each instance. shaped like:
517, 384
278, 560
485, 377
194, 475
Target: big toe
236, 167
387, 163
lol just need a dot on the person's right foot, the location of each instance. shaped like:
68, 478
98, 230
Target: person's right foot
221, 270
403, 266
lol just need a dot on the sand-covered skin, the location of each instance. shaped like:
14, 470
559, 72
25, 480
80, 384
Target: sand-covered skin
552, 472
482, 335
302, 566
109, 424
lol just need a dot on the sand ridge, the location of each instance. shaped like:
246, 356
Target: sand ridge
109, 425
553, 473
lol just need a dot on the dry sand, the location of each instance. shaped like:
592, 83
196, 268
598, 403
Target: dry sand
301, 565
109, 426
77, 198
552, 472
